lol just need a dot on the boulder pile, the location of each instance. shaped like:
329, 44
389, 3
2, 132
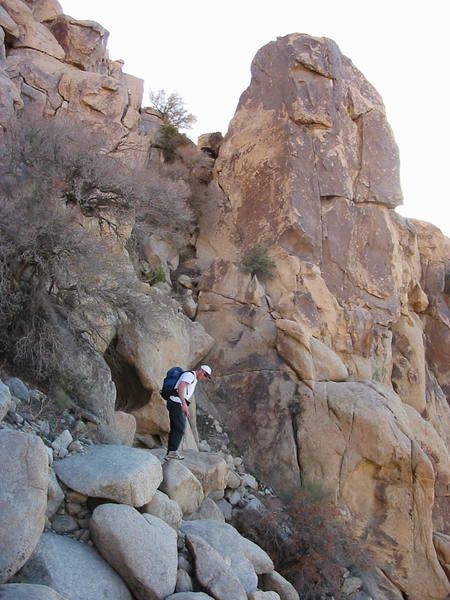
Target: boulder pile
81, 520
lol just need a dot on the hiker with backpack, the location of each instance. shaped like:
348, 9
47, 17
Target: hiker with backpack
178, 387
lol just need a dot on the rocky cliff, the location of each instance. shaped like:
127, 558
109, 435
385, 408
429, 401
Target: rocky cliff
334, 361
346, 341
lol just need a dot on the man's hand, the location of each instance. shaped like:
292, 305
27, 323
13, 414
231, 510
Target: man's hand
185, 409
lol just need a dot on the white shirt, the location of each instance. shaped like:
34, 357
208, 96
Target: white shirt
191, 379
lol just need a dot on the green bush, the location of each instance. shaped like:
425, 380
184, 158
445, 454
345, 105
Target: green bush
169, 138
155, 276
258, 262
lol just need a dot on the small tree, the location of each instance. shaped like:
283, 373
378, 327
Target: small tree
258, 262
172, 109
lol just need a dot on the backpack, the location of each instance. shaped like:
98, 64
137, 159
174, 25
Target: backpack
170, 381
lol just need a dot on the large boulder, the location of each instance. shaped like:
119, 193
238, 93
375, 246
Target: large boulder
119, 473
44, 10
5, 400
376, 448
210, 469
125, 427
245, 558
277, 583
213, 572
161, 338
72, 569
23, 498
84, 42
182, 486
166, 509
32, 33
141, 547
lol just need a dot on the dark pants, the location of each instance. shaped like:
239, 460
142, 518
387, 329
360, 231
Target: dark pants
177, 425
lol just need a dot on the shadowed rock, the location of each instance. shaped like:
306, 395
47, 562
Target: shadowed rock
23, 498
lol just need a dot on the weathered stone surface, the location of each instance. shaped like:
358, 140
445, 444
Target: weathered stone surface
233, 480
327, 364
189, 596
32, 34
408, 375
153, 417
126, 475
182, 486
309, 169
18, 389
184, 581
25, 591
55, 495
125, 427
159, 251
277, 583
44, 10
5, 400
8, 23
210, 469
371, 445
259, 595
442, 544
23, 491
245, 558
166, 509
208, 510
213, 572
142, 548
210, 143
72, 569
168, 338
84, 42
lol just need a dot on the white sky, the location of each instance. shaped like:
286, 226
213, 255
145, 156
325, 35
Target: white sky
203, 50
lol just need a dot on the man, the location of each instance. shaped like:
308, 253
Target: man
178, 407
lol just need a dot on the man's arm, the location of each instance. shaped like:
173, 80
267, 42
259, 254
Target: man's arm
182, 396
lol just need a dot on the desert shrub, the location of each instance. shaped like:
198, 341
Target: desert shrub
169, 138
60, 277
307, 540
258, 262
155, 276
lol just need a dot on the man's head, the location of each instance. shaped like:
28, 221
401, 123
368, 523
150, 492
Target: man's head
204, 372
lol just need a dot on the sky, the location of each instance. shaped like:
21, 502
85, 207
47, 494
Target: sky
203, 49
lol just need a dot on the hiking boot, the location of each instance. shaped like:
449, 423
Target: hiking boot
175, 454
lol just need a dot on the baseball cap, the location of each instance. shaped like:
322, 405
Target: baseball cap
207, 370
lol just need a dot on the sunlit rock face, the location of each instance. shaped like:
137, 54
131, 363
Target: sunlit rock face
334, 369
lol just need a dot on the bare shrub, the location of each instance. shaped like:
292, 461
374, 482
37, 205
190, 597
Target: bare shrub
307, 540
60, 278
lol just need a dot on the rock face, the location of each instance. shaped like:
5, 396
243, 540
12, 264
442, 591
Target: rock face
23, 491
333, 370
309, 169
